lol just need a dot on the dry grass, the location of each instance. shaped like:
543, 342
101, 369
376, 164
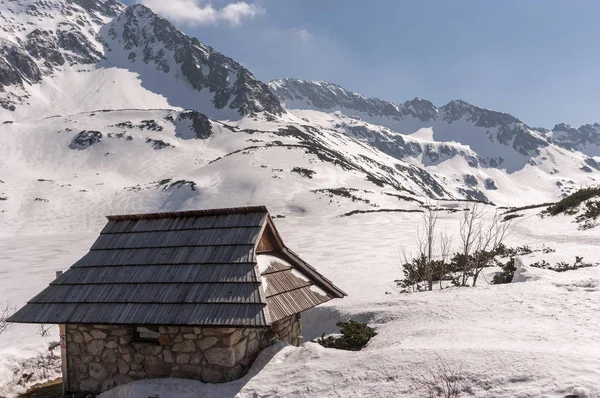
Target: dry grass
49, 389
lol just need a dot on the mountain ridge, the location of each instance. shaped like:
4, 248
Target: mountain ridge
152, 119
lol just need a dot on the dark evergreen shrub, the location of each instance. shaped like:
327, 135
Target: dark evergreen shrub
355, 336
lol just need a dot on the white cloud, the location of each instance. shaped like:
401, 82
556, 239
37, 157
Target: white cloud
197, 12
304, 35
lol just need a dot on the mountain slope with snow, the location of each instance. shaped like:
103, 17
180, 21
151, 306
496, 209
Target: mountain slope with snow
88, 55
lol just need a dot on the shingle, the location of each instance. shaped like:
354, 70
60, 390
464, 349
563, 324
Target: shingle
169, 255
251, 315
182, 273
197, 237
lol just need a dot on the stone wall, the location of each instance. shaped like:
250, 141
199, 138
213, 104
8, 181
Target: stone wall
288, 330
100, 357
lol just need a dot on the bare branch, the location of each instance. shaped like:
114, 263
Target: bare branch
5, 312
44, 330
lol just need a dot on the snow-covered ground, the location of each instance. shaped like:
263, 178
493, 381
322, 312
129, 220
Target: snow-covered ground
538, 338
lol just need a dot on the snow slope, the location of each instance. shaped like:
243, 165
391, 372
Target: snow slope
531, 339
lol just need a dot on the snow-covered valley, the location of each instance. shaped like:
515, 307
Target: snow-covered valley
532, 339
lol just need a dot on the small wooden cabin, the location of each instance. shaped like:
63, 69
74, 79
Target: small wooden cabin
191, 294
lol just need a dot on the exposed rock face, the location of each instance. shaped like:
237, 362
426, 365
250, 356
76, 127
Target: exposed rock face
85, 139
200, 124
85, 32
470, 180
150, 39
578, 139
329, 96
490, 184
101, 357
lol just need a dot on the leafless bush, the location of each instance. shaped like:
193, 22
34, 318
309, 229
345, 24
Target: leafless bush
44, 330
440, 381
5, 311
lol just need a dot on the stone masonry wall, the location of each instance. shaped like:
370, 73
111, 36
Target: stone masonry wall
288, 330
100, 357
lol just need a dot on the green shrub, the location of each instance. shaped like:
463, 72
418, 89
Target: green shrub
355, 336
573, 200
507, 274
307, 173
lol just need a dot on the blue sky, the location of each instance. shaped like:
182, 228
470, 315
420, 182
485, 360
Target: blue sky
535, 59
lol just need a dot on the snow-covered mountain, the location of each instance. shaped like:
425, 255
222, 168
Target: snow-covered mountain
93, 101
60, 51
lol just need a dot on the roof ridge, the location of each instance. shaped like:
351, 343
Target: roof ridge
189, 213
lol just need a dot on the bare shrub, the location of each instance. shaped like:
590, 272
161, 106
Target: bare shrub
44, 330
442, 380
5, 311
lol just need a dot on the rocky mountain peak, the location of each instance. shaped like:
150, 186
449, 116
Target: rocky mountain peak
151, 39
420, 109
39, 39
573, 138
457, 109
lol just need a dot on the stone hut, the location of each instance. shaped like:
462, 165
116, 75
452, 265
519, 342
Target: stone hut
191, 294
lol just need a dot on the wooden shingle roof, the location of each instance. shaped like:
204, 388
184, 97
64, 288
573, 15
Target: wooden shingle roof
182, 268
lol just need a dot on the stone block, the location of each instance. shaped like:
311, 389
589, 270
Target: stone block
154, 349
190, 336
122, 379
162, 330
137, 374
87, 337
183, 358
111, 345
163, 340
95, 347
172, 329
138, 358
168, 356
78, 366
119, 332
108, 356
232, 339
246, 362
98, 334
217, 331
123, 367
187, 329
78, 338
207, 342
221, 356
253, 347
125, 340
196, 358
98, 371
184, 346
154, 367
89, 385
108, 384
197, 330
86, 358
178, 338
233, 373
136, 366
192, 369
211, 375
240, 350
